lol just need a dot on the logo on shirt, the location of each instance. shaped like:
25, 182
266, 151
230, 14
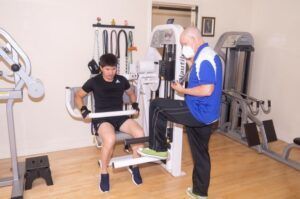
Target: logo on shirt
118, 81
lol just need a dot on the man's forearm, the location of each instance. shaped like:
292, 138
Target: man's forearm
78, 102
203, 90
132, 98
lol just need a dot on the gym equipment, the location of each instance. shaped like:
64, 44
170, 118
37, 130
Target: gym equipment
246, 132
105, 41
93, 65
131, 48
70, 94
114, 45
169, 66
37, 167
153, 78
122, 31
238, 119
115, 49
113, 37
18, 74
238, 47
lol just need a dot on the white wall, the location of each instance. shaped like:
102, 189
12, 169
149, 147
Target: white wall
231, 15
58, 38
276, 64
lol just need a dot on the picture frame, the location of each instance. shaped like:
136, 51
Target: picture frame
170, 21
208, 26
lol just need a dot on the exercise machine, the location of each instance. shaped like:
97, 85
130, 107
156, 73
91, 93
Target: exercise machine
18, 74
162, 64
246, 132
121, 37
239, 110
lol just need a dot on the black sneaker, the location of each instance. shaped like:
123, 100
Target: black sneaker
104, 182
135, 175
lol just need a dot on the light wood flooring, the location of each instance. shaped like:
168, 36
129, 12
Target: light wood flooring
237, 173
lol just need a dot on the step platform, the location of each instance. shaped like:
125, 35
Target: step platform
37, 167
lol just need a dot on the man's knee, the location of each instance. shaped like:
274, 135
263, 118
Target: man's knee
132, 128
107, 133
109, 142
137, 130
139, 133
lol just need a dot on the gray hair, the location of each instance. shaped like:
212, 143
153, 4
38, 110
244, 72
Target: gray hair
192, 32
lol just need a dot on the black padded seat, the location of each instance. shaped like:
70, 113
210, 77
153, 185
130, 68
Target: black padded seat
297, 141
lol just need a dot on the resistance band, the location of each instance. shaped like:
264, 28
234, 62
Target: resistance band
130, 49
113, 37
126, 51
105, 41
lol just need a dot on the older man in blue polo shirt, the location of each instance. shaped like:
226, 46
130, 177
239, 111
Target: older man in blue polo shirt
199, 110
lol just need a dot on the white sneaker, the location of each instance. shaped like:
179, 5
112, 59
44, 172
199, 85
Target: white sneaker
189, 192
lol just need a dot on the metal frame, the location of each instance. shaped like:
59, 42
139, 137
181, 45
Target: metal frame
12, 54
18, 168
235, 48
231, 129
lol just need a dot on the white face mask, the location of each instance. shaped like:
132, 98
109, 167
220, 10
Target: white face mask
187, 52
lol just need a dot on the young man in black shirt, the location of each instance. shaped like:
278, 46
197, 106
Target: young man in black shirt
108, 89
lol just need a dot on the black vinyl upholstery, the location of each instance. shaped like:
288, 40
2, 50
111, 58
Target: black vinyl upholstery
297, 141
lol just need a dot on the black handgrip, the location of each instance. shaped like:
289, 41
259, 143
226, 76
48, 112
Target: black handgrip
269, 103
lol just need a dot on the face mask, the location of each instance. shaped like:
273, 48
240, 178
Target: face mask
187, 52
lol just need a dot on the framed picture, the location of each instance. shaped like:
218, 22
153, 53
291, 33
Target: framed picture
170, 21
208, 26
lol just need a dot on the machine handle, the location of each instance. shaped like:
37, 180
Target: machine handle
76, 113
253, 112
266, 109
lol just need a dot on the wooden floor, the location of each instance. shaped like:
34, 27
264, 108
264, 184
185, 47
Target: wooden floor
237, 172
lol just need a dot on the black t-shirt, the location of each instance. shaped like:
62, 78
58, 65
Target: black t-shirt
108, 95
